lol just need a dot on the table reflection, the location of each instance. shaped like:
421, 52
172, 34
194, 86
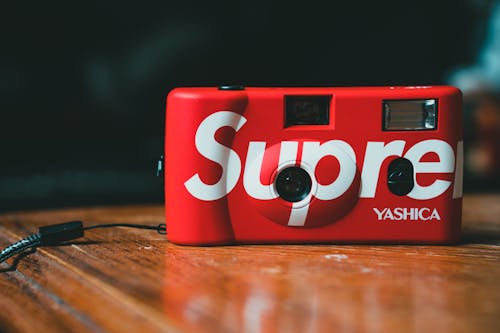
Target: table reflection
317, 288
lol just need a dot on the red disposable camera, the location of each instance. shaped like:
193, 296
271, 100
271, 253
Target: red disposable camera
313, 165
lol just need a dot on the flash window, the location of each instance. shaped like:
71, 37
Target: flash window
410, 115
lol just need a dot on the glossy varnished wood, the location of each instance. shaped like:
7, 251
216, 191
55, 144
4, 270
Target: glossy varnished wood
123, 280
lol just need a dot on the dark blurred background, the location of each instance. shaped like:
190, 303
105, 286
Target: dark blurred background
83, 84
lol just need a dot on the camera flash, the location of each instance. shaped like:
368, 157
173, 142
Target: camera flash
408, 115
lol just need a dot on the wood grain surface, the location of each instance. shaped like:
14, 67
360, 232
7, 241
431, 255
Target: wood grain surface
126, 280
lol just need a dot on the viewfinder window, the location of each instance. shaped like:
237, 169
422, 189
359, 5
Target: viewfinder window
307, 110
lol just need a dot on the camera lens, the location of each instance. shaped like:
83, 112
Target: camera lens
293, 184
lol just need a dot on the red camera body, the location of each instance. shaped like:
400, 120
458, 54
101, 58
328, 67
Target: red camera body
313, 165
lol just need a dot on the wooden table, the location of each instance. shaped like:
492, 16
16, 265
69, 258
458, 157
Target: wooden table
127, 280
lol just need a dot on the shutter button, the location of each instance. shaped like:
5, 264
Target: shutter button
231, 87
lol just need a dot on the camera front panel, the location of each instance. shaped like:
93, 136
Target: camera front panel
332, 164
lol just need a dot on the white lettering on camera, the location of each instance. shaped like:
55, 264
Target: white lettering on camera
405, 214
375, 154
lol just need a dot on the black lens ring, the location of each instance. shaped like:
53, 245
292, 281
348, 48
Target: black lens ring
293, 184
